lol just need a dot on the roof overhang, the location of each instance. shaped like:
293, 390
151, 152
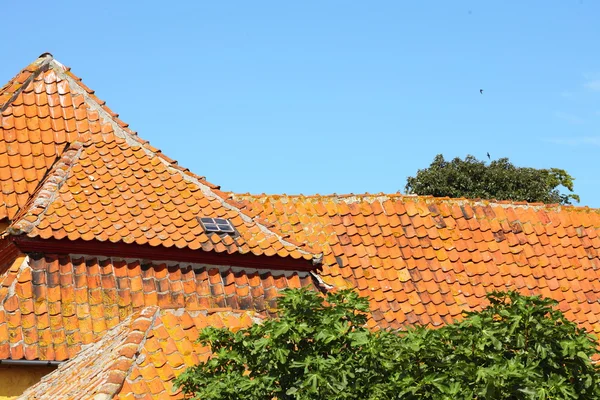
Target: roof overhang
123, 250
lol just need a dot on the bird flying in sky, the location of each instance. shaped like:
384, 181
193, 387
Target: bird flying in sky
488, 154
480, 91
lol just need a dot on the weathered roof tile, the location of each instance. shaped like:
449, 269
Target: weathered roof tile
60, 304
450, 249
102, 181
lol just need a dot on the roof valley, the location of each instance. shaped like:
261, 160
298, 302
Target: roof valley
48, 189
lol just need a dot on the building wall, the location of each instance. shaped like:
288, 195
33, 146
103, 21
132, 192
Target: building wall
15, 379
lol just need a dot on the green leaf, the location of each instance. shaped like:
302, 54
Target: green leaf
318, 347
498, 180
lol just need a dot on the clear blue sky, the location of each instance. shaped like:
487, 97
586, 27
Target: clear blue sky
334, 96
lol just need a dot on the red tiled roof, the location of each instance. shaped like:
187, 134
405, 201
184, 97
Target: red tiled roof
44, 109
30, 140
137, 359
69, 168
424, 260
93, 208
51, 306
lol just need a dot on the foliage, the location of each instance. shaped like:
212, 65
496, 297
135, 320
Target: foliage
318, 348
500, 180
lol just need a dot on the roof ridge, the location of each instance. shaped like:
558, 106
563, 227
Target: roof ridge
352, 197
28, 217
16, 270
39, 65
127, 337
133, 139
139, 324
76, 85
120, 128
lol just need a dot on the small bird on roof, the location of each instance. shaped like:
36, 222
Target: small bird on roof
488, 154
480, 91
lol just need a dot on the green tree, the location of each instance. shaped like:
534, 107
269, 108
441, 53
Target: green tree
499, 180
318, 348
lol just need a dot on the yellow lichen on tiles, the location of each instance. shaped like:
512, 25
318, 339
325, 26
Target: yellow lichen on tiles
445, 247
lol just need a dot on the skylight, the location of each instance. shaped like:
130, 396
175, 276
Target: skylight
217, 225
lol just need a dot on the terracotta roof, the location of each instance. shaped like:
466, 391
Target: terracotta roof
30, 140
76, 180
426, 260
44, 109
137, 359
69, 168
50, 306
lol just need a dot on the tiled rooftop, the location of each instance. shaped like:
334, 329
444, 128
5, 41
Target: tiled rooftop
53, 305
139, 358
86, 205
94, 179
424, 260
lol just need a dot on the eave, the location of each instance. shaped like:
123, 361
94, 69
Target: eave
123, 250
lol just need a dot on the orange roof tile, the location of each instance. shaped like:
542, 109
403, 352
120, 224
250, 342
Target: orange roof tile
76, 180
433, 257
70, 169
139, 357
52, 306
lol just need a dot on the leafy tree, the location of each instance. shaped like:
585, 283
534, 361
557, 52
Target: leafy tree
499, 180
517, 348
318, 348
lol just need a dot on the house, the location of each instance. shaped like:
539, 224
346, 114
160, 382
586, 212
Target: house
113, 257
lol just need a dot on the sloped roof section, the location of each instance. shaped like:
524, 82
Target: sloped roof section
44, 109
70, 169
425, 260
99, 369
52, 306
111, 191
30, 135
139, 358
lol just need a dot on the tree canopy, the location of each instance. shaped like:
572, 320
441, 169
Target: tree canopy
499, 180
319, 348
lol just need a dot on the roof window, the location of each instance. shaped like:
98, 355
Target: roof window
217, 225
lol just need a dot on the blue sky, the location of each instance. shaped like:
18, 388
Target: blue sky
336, 96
